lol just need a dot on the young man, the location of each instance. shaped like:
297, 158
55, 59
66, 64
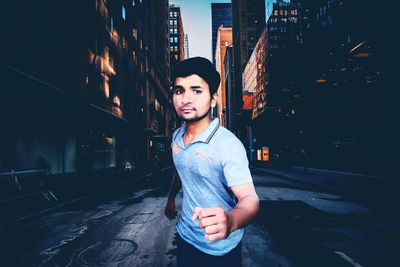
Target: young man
212, 168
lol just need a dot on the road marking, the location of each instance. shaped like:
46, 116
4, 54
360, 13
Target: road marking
348, 259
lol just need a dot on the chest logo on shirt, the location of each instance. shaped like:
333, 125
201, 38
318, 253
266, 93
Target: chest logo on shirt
201, 155
175, 149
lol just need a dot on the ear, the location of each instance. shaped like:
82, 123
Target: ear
214, 100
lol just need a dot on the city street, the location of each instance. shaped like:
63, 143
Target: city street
91, 114
300, 223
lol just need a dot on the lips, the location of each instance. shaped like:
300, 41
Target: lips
186, 109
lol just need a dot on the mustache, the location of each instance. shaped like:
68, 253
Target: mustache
187, 107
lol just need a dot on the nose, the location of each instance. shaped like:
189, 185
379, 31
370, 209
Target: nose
186, 98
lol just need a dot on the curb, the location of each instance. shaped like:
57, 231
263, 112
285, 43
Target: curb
77, 199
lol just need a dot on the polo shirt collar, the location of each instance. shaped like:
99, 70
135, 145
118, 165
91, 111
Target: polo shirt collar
204, 136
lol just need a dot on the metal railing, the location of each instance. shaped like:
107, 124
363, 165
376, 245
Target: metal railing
19, 184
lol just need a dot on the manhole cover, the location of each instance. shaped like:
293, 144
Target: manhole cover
141, 218
107, 252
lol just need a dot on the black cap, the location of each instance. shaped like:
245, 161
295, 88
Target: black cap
201, 67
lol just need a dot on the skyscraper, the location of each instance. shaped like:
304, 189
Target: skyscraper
90, 101
269, 7
224, 40
177, 36
221, 15
186, 46
248, 17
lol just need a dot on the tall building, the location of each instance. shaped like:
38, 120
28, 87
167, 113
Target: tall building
272, 74
248, 23
269, 7
350, 87
229, 91
224, 40
177, 36
186, 46
221, 15
93, 88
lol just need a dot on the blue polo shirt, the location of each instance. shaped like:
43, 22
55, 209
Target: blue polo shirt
212, 163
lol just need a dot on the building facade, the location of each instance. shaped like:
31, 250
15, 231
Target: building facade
177, 36
221, 15
187, 55
248, 23
95, 87
224, 40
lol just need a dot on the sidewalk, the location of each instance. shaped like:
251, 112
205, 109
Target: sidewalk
62, 190
373, 190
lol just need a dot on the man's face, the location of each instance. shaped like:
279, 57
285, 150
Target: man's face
192, 99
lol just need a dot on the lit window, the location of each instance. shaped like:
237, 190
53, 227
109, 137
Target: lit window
171, 39
134, 33
175, 39
134, 55
175, 14
171, 31
133, 2
123, 12
171, 22
175, 31
175, 22
170, 13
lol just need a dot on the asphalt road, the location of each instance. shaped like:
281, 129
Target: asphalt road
298, 225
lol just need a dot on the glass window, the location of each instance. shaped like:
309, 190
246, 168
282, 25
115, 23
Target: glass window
175, 31
133, 2
175, 14
134, 33
175, 39
175, 22
111, 23
171, 22
123, 12
171, 39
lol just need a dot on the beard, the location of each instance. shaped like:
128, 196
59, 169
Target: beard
196, 118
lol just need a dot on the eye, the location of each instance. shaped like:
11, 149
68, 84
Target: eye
197, 92
178, 91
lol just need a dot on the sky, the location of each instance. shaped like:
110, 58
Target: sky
196, 16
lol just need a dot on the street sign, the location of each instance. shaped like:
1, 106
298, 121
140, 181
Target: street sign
265, 153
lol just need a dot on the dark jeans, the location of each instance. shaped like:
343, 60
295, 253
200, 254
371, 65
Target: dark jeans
188, 255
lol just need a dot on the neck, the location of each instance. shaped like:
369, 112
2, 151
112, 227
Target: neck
193, 129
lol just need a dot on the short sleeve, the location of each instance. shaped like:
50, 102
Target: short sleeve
235, 163
174, 137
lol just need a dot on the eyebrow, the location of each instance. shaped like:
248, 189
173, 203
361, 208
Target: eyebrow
192, 87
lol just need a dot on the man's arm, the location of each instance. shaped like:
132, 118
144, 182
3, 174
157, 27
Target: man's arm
246, 208
218, 224
170, 208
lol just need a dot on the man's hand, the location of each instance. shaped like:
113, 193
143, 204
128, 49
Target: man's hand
215, 222
170, 210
